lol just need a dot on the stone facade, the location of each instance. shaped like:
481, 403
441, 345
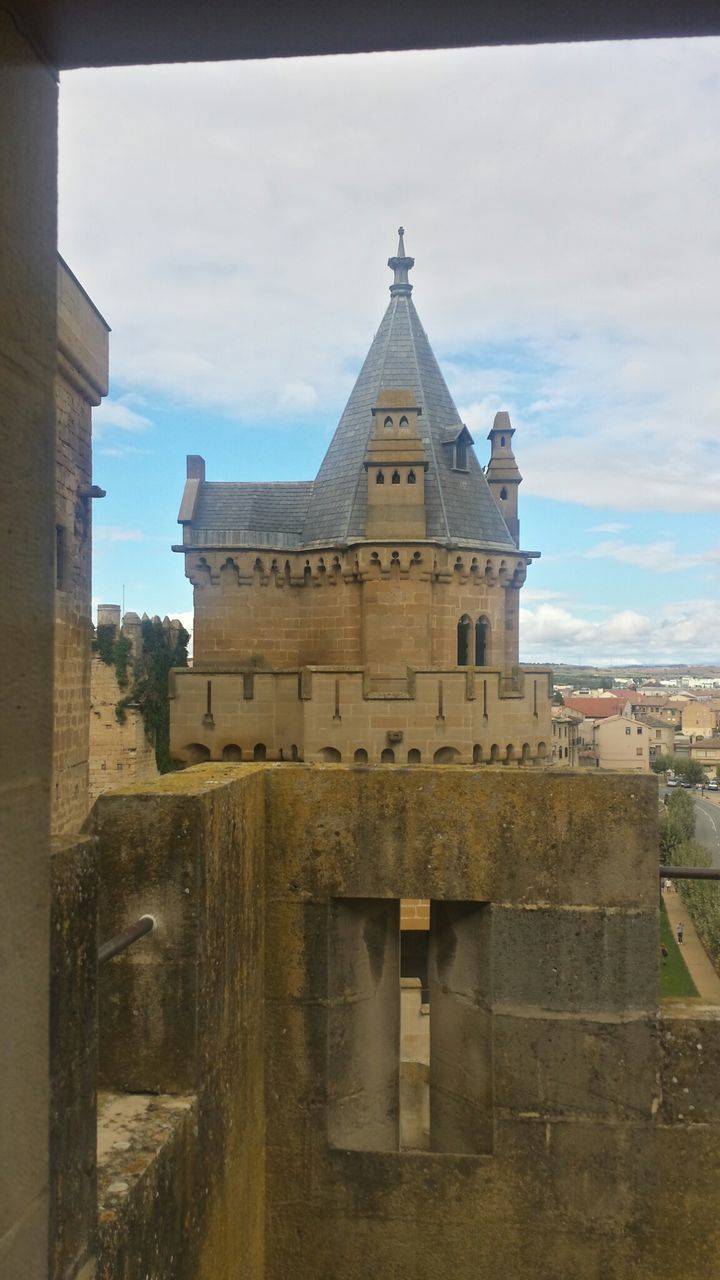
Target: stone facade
119, 753
259, 1047
81, 382
621, 742
370, 615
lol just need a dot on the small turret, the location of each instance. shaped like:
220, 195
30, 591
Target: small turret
502, 473
395, 463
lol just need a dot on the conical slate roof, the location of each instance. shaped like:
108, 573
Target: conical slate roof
459, 505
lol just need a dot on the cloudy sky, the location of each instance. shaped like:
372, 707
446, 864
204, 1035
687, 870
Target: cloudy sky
233, 222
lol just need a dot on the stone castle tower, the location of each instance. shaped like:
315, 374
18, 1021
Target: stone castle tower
370, 615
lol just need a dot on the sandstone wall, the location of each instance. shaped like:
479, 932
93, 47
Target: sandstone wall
28, 355
80, 383
120, 754
468, 716
376, 606
573, 1127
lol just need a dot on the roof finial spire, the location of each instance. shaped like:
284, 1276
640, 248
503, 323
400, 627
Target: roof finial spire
400, 265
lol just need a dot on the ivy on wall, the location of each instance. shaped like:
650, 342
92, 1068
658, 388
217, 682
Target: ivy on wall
147, 676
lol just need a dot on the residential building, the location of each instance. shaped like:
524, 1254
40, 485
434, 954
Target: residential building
622, 743
707, 753
566, 739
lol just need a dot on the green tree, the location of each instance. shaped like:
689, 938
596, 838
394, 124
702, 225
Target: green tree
557, 699
162, 649
677, 826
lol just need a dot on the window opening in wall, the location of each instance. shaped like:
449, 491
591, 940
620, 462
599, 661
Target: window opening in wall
409, 1043
414, 1038
503, 493
396, 477
481, 642
60, 557
411, 477
387, 756
259, 751
379, 478
361, 756
414, 756
232, 752
404, 423
461, 456
464, 631
388, 423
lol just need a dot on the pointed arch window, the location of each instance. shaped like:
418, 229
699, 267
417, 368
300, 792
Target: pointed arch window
396, 477
379, 478
464, 633
404, 423
388, 423
482, 635
411, 477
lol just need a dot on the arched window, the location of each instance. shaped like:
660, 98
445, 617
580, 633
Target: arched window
259, 751
494, 753
503, 493
482, 632
411, 477
403, 423
293, 752
446, 755
464, 631
196, 753
379, 478
396, 477
361, 756
330, 755
388, 423
414, 756
477, 754
502, 441
232, 752
388, 756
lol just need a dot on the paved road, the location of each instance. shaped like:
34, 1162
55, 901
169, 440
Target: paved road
707, 822
707, 826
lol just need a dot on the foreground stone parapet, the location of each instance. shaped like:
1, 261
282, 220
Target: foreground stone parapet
562, 1100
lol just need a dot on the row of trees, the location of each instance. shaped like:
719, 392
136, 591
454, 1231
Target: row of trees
681, 766
678, 847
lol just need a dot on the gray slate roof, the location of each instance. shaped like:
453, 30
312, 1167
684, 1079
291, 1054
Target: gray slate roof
459, 505
332, 510
248, 513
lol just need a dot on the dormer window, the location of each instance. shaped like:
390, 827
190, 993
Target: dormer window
503, 493
388, 424
457, 441
411, 477
461, 458
396, 477
404, 423
379, 478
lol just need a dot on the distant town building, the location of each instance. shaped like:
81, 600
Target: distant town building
622, 743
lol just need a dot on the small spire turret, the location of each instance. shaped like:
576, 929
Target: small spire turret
503, 474
400, 265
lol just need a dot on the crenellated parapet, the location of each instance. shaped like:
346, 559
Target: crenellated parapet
361, 562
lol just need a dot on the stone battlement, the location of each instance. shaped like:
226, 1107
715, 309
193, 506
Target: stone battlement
462, 715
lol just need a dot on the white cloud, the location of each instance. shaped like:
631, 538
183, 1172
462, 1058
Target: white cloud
683, 633
120, 415
298, 395
235, 258
656, 557
113, 533
610, 527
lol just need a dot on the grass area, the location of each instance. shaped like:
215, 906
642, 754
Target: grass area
674, 977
